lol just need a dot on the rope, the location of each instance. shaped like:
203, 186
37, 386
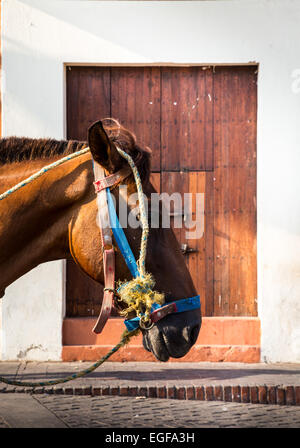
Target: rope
138, 293
124, 340
143, 214
42, 171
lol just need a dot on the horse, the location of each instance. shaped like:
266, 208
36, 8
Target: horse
54, 218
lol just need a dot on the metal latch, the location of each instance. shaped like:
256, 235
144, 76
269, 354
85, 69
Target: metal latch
187, 250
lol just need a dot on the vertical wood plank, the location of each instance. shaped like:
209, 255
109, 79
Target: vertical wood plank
235, 192
88, 100
193, 182
186, 116
209, 243
135, 101
221, 197
242, 172
155, 181
196, 261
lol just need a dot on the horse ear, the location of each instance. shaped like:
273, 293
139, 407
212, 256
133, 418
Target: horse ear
102, 149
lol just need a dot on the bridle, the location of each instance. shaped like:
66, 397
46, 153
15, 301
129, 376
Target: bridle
109, 224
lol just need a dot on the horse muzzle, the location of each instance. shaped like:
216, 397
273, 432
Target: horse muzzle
172, 336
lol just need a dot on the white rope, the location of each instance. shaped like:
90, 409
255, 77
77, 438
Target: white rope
143, 214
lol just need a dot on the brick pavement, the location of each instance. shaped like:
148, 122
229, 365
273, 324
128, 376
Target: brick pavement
128, 412
272, 384
51, 411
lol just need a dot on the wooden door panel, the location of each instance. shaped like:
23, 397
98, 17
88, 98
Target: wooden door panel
155, 181
187, 118
193, 182
135, 102
88, 99
235, 285
83, 294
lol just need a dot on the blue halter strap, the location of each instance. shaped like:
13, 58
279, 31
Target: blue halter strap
178, 306
120, 236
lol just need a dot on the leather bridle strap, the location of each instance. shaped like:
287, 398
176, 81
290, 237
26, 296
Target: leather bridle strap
109, 181
102, 183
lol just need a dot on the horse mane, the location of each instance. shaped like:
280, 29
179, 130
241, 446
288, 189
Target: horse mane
20, 149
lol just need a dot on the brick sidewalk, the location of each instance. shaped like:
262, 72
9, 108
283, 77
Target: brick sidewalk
230, 382
74, 411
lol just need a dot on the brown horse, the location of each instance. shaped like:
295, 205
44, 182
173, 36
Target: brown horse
54, 217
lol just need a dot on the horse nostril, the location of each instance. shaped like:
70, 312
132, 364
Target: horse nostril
194, 334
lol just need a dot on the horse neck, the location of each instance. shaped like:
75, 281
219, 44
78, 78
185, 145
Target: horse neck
34, 220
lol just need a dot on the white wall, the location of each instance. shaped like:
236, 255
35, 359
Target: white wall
39, 36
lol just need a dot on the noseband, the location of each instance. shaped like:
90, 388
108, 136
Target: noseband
109, 224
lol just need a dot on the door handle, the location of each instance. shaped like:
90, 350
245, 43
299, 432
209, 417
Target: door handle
185, 249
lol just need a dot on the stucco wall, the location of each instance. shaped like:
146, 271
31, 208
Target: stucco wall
39, 36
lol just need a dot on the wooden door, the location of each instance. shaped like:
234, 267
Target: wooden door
201, 126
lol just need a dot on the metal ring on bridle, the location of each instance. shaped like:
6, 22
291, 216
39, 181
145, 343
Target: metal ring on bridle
146, 324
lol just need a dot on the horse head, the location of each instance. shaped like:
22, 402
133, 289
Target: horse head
175, 334
54, 217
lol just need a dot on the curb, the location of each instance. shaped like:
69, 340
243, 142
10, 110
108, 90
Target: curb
280, 395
